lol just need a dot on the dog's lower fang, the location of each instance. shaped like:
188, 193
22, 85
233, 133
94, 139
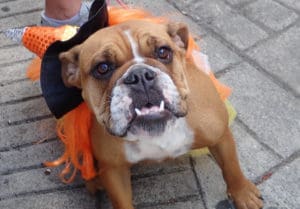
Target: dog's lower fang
162, 106
138, 112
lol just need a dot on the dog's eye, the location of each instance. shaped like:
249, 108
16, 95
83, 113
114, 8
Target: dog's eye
164, 54
102, 70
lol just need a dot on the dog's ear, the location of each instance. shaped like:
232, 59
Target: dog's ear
70, 72
179, 34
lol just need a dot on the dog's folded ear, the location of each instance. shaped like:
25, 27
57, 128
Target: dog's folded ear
179, 34
70, 71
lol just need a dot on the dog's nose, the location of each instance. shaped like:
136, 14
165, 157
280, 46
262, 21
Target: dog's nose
140, 78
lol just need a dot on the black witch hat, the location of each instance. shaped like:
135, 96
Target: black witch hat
59, 98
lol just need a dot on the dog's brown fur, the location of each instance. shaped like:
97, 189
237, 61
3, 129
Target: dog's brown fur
206, 113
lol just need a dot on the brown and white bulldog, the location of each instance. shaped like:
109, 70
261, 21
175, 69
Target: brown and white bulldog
150, 103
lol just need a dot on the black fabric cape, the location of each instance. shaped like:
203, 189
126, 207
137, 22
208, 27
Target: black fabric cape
59, 98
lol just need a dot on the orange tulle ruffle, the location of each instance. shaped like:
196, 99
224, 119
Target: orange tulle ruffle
74, 131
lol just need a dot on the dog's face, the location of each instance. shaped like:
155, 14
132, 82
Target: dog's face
132, 76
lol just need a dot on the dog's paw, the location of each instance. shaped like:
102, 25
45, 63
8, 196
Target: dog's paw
246, 196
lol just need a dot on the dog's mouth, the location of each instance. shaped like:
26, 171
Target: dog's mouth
152, 112
142, 115
144, 108
150, 119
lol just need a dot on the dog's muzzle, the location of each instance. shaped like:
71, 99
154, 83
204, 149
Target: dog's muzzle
143, 101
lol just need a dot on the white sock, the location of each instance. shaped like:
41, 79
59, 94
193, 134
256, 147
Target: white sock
55, 22
80, 18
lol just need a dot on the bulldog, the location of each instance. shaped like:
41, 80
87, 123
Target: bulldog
150, 103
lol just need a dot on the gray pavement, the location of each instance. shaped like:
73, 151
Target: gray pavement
253, 46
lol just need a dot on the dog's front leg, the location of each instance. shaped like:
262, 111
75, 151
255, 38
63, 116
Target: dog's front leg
117, 183
241, 190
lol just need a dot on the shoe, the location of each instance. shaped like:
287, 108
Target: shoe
77, 20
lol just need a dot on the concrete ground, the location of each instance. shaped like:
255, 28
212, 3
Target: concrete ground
253, 46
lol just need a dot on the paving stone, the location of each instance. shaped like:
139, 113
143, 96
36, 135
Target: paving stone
271, 14
14, 54
162, 8
19, 21
27, 133
23, 110
153, 189
210, 176
19, 6
179, 164
190, 204
143, 172
268, 110
254, 158
197, 204
211, 180
32, 181
238, 2
220, 57
281, 190
77, 198
4, 41
19, 90
13, 72
295, 4
6, 23
160, 189
30, 156
238, 30
202, 11
281, 57
27, 19
103, 201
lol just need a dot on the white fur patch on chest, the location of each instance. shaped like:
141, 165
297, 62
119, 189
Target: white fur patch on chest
175, 141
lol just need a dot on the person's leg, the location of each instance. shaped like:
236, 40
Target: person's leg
62, 12
62, 9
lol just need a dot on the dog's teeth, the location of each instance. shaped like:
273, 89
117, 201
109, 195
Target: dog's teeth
162, 106
138, 112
